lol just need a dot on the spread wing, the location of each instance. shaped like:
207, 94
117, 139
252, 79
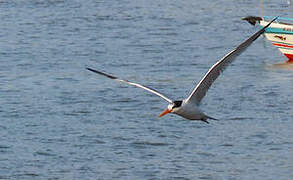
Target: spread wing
132, 83
214, 72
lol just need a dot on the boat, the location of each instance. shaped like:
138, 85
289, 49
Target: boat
280, 33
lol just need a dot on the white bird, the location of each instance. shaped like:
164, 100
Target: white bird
189, 107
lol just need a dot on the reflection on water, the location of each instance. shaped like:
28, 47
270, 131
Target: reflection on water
282, 65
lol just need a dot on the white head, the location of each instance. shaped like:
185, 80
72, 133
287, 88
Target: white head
171, 108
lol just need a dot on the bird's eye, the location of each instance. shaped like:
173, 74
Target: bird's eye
177, 104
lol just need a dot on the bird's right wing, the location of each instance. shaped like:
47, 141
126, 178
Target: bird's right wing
214, 72
132, 83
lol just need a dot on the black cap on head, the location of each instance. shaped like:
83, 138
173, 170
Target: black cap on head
177, 104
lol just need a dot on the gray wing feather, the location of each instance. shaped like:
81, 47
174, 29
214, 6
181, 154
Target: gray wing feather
132, 83
203, 86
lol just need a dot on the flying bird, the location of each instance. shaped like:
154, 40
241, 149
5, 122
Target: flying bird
189, 107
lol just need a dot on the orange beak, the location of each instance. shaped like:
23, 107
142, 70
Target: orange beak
165, 112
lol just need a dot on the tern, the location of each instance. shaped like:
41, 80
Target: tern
189, 107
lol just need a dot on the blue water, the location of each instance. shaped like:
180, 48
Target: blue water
59, 121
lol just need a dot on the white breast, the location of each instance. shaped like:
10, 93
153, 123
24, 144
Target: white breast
189, 111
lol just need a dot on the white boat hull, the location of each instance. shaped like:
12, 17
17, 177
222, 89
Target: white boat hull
281, 36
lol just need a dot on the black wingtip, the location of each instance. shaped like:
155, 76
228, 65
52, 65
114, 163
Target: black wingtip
93, 70
275, 18
89, 69
264, 28
272, 21
101, 73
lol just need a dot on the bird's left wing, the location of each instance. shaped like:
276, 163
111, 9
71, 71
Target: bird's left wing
132, 83
203, 86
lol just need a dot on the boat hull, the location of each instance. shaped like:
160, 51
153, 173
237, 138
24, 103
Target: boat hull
281, 36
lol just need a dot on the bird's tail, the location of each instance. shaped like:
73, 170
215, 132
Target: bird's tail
209, 117
205, 119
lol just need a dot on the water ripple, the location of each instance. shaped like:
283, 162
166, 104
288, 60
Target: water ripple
144, 144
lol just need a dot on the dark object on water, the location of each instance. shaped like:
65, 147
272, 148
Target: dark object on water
252, 19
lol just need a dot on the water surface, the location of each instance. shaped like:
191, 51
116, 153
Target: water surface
59, 121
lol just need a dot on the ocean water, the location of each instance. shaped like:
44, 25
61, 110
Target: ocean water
60, 121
